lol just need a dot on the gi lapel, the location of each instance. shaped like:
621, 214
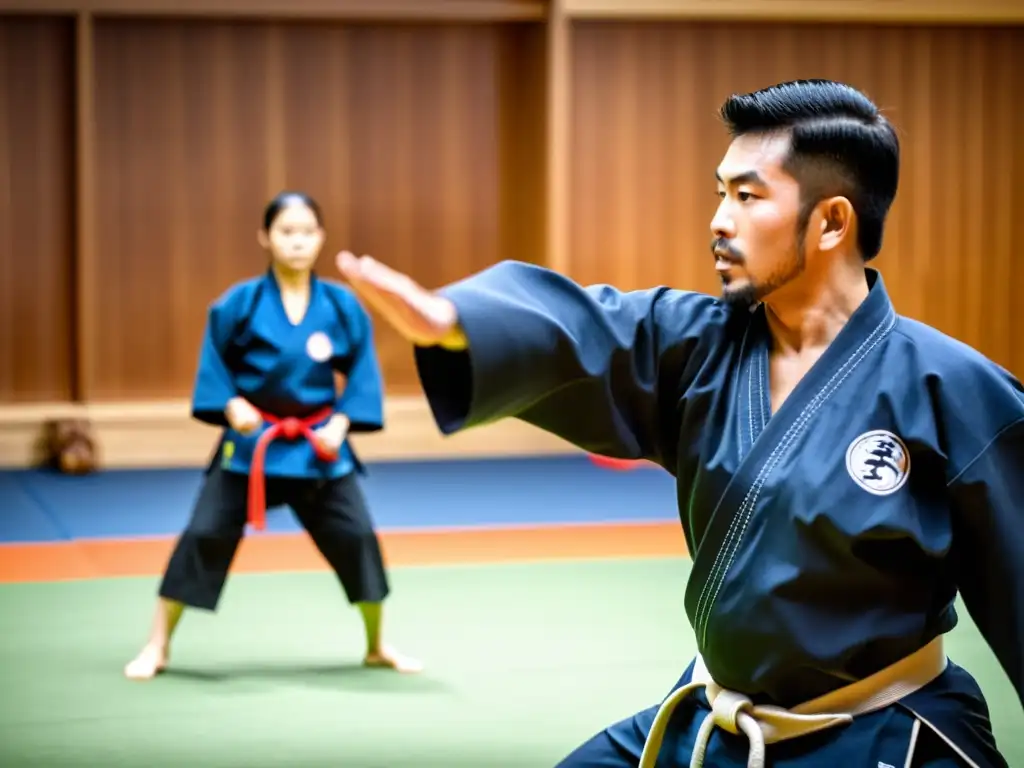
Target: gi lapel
292, 341
771, 438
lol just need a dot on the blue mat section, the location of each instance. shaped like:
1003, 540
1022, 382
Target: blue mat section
23, 517
45, 506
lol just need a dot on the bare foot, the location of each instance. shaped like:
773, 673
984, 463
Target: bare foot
148, 664
390, 659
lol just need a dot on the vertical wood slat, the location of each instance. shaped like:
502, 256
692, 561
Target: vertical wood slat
557, 144
85, 262
522, 127
36, 208
275, 112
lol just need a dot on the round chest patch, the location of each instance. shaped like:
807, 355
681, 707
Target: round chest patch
878, 462
318, 347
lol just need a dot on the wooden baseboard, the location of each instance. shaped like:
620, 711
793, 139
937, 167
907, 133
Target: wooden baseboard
161, 434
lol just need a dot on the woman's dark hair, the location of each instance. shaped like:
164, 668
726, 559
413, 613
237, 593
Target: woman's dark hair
840, 144
284, 199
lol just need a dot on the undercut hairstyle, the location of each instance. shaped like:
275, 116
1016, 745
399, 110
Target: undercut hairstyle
840, 144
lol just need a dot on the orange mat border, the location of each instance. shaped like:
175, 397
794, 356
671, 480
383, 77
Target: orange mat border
268, 553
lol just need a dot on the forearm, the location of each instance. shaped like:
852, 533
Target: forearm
578, 362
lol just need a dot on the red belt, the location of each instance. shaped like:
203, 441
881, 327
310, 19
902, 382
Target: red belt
289, 428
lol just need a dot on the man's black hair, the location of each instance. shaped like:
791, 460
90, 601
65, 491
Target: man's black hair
840, 144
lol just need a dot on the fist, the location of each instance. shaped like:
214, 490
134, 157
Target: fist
242, 417
332, 434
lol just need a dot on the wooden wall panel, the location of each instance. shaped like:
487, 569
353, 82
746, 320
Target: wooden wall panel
401, 132
36, 208
646, 140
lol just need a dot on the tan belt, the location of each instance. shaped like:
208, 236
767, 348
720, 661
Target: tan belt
764, 724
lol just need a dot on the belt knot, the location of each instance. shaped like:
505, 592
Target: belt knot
291, 428
726, 709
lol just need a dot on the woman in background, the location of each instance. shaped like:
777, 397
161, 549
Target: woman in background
274, 348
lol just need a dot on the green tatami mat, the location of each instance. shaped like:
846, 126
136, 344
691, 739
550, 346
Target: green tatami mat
523, 663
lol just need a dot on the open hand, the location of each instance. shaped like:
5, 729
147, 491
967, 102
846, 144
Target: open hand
421, 316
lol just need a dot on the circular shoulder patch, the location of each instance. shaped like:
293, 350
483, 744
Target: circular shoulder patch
878, 462
318, 347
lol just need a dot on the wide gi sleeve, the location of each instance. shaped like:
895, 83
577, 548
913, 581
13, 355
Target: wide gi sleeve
214, 383
988, 496
362, 399
599, 367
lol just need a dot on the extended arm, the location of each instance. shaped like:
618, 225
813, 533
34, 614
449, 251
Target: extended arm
596, 366
989, 536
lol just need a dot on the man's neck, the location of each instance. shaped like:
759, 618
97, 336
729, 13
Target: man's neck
806, 315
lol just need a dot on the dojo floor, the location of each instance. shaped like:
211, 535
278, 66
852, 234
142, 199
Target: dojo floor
545, 597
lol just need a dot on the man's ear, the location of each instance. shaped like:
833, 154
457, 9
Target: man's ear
836, 219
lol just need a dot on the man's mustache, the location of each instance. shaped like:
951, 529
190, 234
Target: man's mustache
722, 249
